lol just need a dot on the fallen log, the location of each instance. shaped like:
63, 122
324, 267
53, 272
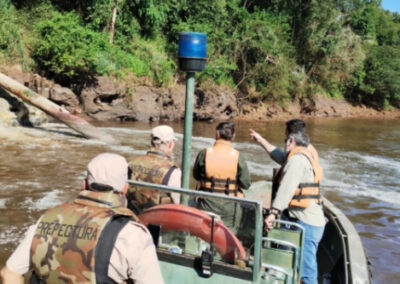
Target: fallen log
76, 123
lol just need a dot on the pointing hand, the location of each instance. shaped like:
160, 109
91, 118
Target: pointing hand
255, 136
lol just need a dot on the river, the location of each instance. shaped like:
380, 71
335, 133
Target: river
360, 157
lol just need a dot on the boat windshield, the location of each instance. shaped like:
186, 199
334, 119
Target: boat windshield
203, 224
221, 234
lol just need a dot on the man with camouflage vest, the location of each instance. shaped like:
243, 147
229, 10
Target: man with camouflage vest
156, 167
92, 239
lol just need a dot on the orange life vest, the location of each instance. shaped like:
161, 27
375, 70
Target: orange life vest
221, 164
305, 191
315, 155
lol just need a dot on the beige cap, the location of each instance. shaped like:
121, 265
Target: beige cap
163, 133
109, 169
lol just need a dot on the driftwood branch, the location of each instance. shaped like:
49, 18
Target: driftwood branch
76, 123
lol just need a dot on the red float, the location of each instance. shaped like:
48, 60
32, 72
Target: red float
181, 218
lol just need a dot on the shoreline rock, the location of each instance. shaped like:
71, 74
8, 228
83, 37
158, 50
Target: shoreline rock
107, 99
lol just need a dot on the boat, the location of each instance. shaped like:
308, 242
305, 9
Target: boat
194, 247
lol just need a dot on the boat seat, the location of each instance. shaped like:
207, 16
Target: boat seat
286, 235
278, 257
282, 252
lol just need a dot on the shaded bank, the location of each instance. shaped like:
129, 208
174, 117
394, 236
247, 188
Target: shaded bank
107, 99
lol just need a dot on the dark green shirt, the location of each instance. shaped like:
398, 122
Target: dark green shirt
230, 212
242, 175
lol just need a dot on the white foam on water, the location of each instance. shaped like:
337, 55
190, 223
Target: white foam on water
362, 175
127, 130
132, 131
127, 150
259, 169
12, 234
3, 203
382, 162
249, 146
50, 199
390, 197
8, 235
352, 173
28, 184
8, 186
87, 141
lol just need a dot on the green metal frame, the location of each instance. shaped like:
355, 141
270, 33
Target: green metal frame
302, 230
187, 135
258, 216
298, 251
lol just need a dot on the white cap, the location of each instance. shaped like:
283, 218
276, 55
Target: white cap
109, 169
162, 133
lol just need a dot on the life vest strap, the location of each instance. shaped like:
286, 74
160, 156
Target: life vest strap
105, 247
95, 200
308, 184
35, 279
218, 190
223, 181
219, 185
304, 185
303, 196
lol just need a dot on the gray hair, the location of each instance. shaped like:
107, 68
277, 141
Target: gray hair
300, 137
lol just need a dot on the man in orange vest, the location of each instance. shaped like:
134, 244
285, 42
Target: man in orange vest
278, 155
221, 169
92, 239
298, 185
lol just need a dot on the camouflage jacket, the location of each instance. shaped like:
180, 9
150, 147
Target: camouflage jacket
154, 167
73, 241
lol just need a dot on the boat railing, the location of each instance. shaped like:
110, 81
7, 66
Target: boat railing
252, 202
279, 236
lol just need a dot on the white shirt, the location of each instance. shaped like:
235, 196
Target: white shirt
175, 180
133, 257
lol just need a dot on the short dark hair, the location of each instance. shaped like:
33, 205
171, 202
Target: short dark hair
226, 130
295, 125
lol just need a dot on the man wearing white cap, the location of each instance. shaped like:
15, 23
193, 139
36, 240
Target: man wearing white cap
92, 239
156, 167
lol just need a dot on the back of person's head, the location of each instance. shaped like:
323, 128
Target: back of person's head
107, 172
162, 134
300, 137
295, 125
226, 130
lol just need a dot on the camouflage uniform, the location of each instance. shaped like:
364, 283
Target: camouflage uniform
154, 167
65, 245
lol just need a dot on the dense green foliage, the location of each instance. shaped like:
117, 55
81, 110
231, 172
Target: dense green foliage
269, 50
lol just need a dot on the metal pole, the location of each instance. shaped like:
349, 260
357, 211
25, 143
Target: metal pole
187, 137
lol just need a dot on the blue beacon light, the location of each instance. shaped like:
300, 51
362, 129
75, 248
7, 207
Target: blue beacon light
192, 51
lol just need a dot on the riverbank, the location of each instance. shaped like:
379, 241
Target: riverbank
108, 99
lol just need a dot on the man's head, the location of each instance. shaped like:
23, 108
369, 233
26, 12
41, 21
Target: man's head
299, 138
295, 125
226, 131
107, 172
163, 139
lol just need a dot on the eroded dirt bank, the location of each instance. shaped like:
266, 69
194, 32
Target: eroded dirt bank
107, 99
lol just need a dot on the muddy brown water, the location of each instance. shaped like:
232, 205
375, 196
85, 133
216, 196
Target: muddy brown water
360, 157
